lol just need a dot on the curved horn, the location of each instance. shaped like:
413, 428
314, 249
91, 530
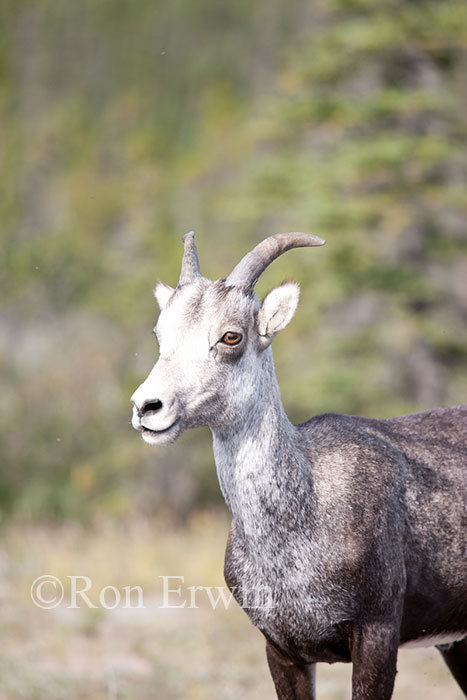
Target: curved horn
254, 263
190, 262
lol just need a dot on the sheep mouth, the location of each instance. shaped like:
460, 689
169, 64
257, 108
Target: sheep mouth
149, 431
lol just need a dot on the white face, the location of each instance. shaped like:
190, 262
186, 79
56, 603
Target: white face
206, 354
211, 339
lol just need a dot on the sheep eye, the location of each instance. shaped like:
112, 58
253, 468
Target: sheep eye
231, 338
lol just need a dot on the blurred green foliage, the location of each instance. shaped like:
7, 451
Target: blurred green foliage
124, 125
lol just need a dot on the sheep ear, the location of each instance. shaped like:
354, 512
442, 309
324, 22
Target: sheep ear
163, 292
277, 309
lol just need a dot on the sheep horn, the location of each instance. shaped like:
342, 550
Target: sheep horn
250, 267
190, 263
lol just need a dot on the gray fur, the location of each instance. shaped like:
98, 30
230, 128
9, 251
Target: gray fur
356, 527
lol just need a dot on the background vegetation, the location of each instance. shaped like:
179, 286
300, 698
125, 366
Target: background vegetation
124, 125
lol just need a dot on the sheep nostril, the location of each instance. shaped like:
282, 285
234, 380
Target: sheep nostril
148, 406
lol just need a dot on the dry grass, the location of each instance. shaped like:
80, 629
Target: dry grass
194, 654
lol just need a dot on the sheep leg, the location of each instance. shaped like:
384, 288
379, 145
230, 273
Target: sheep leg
292, 681
455, 656
374, 659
